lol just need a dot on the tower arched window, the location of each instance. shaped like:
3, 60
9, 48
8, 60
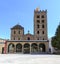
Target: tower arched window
42, 16
38, 21
43, 26
38, 26
42, 21
38, 16
37, 32
42, 32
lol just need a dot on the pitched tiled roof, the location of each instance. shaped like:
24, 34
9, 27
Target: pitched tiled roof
17, 27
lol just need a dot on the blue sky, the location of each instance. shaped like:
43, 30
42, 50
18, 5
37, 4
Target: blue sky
13, 12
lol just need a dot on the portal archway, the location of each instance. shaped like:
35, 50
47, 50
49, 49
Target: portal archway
42, 47
34, 48
11, 48
19, 47
26, 48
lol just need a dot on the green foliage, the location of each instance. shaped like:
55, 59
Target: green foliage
56, 39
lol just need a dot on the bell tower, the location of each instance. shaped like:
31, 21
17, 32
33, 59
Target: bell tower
40, 24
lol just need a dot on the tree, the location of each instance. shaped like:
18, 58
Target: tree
56, 39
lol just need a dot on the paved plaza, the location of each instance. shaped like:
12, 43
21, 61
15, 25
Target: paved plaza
29, 59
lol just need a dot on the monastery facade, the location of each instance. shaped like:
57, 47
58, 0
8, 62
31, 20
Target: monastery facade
30, 43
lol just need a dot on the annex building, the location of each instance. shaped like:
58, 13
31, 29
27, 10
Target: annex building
30, 43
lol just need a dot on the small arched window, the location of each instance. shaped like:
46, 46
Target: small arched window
37, 38
28, 38
19, 32
14, 38
43, 38
14, 32
18, 38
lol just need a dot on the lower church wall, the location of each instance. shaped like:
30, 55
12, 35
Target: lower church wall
27, 47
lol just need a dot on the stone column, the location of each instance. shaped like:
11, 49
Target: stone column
30, 48
22, 49
15, 48
38, 47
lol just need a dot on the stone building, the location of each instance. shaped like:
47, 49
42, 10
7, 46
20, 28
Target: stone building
30, 43
2, 43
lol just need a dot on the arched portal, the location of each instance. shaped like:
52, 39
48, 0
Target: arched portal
26, 48
11, 48
34, 48
42, 47
19, 47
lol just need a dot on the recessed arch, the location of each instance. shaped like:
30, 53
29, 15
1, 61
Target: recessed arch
26, 48
18, 47
11, 48
34, 48
42, 47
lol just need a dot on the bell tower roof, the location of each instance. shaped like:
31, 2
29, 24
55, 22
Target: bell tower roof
17, 27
